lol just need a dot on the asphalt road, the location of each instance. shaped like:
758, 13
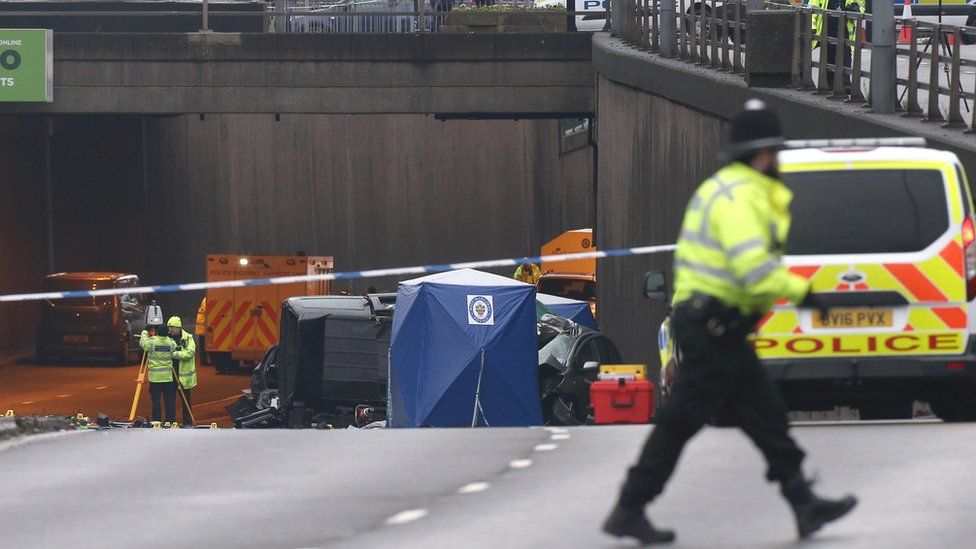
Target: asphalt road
486, 488
93, 387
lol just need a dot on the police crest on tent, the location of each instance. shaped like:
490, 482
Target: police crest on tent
481, 310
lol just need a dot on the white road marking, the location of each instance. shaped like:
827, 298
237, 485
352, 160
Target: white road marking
103, 387
404, 517
473, 488
557, 430
520, 463
63, 396
28, 402
545, 447
560, 436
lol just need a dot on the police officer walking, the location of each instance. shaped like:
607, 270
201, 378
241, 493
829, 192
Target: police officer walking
184, 364
727, 276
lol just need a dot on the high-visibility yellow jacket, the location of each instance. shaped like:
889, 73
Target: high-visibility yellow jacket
201, 325
731, 241
159, 356
186, 350
530, 277
817, 19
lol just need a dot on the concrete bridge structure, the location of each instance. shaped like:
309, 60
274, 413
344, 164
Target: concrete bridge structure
542, 75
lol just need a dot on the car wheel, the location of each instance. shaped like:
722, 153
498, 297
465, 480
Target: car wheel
954, 408
698, 25
561, 409
901, 409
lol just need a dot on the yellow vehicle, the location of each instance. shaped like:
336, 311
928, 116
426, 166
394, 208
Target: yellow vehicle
884, 230
242, 322
574, 279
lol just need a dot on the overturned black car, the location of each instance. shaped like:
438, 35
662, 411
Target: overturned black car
330, 367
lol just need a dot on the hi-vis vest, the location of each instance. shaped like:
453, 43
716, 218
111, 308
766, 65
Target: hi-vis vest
188, 365
817, 19
731, 241
159, 356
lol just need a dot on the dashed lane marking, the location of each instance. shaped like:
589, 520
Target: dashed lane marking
520, 463
28, 402
63, 396
473, 488
102, 387
404, 517
560, 436
545, 447
557, 430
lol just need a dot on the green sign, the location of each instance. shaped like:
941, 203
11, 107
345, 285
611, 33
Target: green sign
26, 65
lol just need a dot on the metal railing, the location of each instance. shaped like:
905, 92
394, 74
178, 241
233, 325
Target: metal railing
705, 32
933, 81
299, 16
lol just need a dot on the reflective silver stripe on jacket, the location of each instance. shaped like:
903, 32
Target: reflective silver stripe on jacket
760, 272
740, 249
702, 237
705, 269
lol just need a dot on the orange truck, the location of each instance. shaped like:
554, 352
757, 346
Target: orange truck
242, 322
574, 279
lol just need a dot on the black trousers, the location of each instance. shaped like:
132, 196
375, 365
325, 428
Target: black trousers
832, 59
187, 402
166, 391
718, 378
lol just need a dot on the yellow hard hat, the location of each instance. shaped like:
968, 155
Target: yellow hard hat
175, 322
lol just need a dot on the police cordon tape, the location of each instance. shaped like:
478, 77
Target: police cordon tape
350, 275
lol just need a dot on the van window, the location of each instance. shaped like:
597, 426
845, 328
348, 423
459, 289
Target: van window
64, 285
865, 211
580, 290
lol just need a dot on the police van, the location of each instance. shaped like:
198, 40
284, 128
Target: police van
884, 230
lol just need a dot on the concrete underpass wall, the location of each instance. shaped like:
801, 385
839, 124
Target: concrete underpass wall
22, 227
653, 154
373, 191
98, 198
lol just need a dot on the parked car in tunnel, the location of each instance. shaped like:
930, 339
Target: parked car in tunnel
91, 327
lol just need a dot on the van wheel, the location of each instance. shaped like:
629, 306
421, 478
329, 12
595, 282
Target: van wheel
127, 355
955, 408
42, 355
901, 409
222, 361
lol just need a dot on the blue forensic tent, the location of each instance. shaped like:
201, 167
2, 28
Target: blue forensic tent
577, 311
463, 352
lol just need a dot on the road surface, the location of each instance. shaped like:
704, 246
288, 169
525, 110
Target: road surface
485, 488
93, 387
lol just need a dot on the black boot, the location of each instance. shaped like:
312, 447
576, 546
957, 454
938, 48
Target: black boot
627, 522
813, 512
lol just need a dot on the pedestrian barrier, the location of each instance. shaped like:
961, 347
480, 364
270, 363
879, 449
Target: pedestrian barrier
350, 275
711, 33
